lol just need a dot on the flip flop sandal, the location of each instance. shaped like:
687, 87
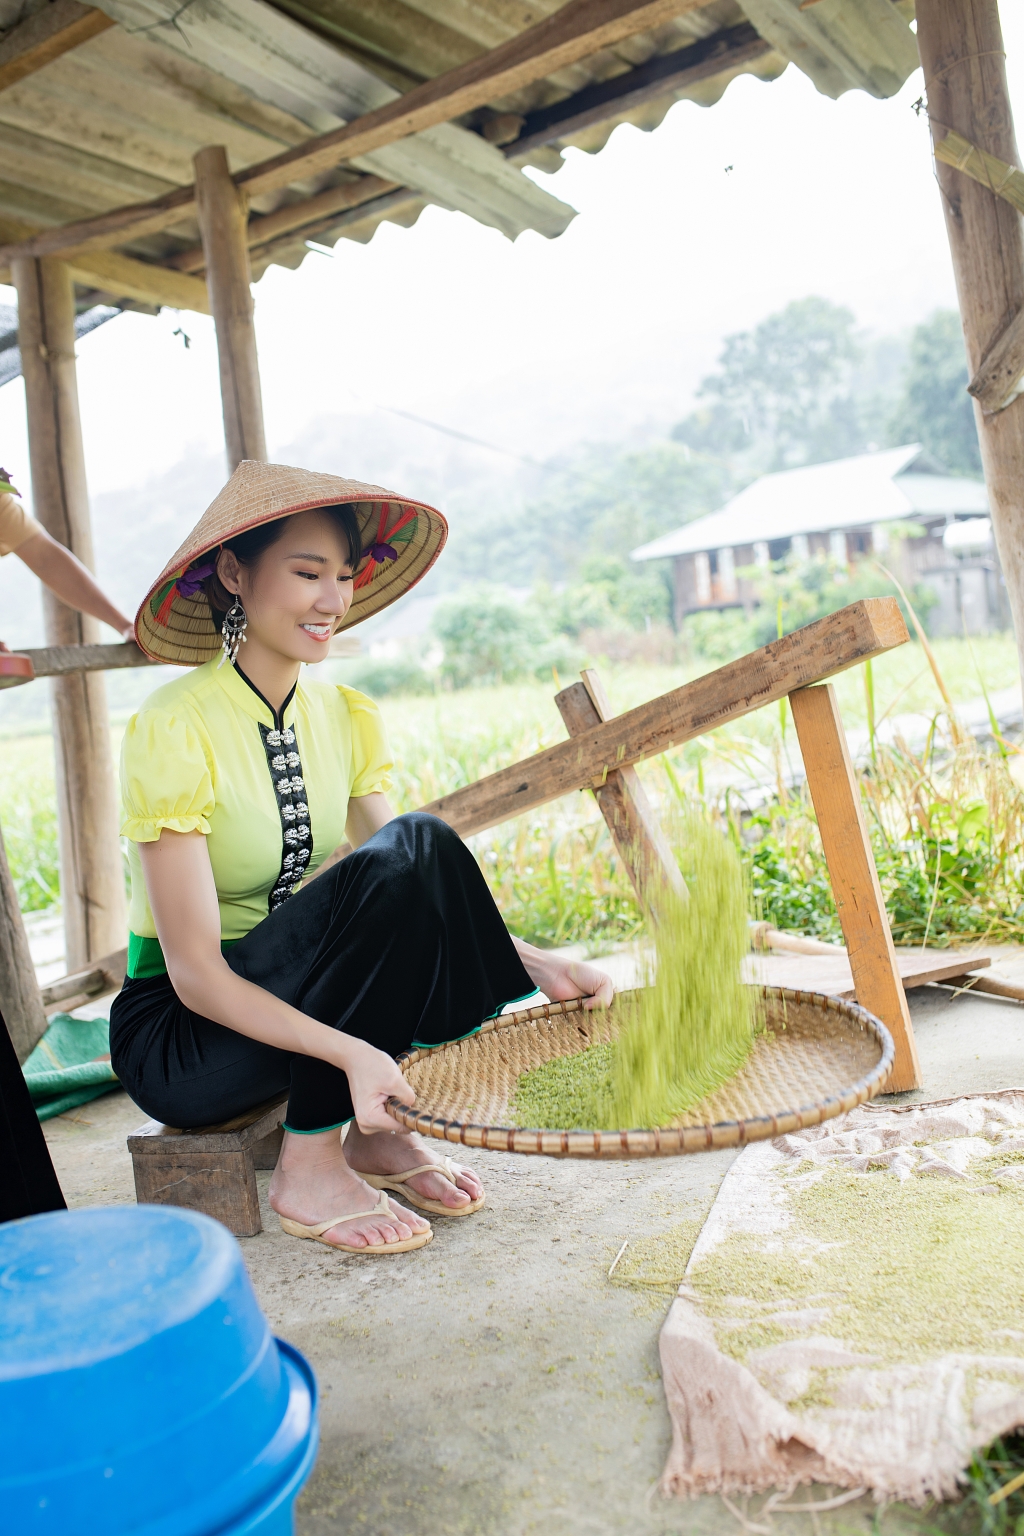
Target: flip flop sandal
396, 1182
382, 1208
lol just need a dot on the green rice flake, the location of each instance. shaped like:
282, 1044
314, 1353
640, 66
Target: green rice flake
906, 1271
681, 1036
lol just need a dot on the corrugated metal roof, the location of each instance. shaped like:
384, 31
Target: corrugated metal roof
848, 493
118, 119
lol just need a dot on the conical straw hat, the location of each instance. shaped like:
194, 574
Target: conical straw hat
401, 541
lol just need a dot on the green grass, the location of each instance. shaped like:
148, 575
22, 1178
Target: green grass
556, 875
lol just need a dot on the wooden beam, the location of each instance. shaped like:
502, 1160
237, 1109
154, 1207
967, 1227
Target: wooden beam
809, 655
127, 278
63, 660
46, 35
122, 276
1000, 375
961, 48
222, 222
851, 867
71, 991
710, 56
294, 217
92, 874
631, 818
578, 30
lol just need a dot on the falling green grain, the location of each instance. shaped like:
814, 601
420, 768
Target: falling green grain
685, 1033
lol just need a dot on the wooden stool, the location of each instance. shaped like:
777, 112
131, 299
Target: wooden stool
212, 1169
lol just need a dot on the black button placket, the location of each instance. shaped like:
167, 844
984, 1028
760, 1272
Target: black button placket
296, 832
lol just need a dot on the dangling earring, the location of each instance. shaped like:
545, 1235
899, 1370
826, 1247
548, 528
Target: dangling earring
233, 630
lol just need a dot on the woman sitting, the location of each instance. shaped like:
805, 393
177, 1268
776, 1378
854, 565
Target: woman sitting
239, 782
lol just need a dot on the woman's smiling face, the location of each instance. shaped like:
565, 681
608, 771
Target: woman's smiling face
298, 591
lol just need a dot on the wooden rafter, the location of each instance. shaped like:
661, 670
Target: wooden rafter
578, 30
659, 76
312, 213
121, 276
45, 36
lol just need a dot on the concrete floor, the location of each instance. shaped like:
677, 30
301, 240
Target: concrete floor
496, 1383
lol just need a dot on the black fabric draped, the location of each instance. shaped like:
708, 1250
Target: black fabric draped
28, 1184
400, 942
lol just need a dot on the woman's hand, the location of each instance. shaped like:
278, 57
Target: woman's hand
372, 1079
560, 979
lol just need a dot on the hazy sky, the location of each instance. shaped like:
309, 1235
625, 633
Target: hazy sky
536, 345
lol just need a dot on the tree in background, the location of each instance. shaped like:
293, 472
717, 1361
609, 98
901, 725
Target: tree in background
935, 408
802, 387
597, 509
783, 393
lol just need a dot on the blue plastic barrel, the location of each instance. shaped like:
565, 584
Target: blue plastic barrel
141, 1390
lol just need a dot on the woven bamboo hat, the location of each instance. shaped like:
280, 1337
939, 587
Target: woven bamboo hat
401, 541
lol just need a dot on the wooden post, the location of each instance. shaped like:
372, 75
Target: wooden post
624, 805
92, 872
20, 1002
851, 867
221, 210
961, 47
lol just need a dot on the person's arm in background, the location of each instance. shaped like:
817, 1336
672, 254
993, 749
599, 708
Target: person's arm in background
56, 567
66, 576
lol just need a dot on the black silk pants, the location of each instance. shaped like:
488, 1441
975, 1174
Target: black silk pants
399, 943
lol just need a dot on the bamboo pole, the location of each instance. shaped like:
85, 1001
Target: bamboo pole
92, 875
961, 48
221, 209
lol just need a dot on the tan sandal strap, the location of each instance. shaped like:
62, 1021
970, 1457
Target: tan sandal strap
446, 1168
382, 1208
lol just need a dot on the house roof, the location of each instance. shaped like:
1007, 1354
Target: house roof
848, 493
117, 118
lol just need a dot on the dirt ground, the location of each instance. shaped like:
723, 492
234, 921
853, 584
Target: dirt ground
496, 1383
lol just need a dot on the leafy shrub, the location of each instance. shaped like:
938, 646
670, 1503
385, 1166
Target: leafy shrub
490, 637
30, 837
379, 676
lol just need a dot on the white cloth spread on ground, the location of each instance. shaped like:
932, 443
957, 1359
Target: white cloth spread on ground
853, 1310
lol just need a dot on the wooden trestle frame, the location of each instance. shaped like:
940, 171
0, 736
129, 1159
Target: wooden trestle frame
600, 755
961, 52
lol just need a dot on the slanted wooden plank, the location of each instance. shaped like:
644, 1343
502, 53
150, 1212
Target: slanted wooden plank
46, 35
851, 867
624, 805
577, 30
69, 992
818, 651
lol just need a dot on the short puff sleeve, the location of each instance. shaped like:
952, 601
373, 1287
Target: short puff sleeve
371, 751
165, 778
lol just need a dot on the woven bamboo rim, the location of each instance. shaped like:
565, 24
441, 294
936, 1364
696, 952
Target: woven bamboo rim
820, 1054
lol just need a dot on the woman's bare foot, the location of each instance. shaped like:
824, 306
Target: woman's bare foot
385, 1152
313, 1182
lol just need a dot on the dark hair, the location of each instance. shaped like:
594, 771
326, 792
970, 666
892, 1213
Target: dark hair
249, 548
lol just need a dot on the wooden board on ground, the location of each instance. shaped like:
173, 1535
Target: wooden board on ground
832, 974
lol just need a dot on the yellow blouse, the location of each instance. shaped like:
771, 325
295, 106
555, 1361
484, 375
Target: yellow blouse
203, 754
16, 527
